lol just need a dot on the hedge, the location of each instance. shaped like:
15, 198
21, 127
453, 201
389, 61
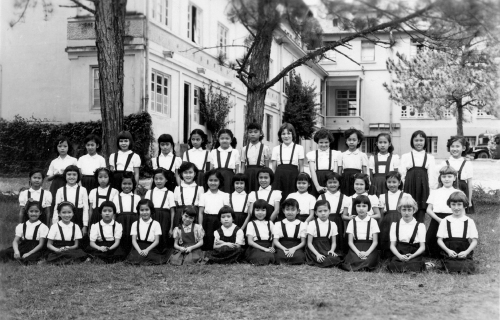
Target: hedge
26, 144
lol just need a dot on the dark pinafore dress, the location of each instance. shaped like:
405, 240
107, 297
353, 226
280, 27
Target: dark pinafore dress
58, 182
414, 265
417, 185
200, 180
299, 256
321, 174
352, 262
433, 249
78, 214
179, 208
154, 256
171, 181
109, 256
464, 186
337, 218
322, 245
164, 218
347, 183
251, 171
211, 223
96, 214
256, 256
89, 182
126, 219
241, 215
269, 207
378, 185
116, 182
188, 239
227, 173
285, 175
390, 216
458, 245
225, 254
25, 246
69, 256
43, 215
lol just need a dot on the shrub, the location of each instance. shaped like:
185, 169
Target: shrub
483, 197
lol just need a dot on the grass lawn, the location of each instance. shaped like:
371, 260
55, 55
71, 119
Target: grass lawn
93, 291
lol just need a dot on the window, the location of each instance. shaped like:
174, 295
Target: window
447, 113
285, 84
481, 113
367, 51
160, 11
222, 41
410, 112
269, 127
346, 103
471, 140
194, 24
370, 144
159, 93
197, 96
95, 99
432, 145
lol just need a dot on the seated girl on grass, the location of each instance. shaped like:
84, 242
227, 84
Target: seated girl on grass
228, 239
188, 239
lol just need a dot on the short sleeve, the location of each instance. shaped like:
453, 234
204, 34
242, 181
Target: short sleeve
300, 152
118, 230
79, 162
395, 162
312, 202
277, 232
47, 199
472, 230
240, 237
303, 230
93, 232
212, 155
251, 198
276, 153
52, 232
23, 198
50, 172
136, 160
392, 232
276, 197
92, 198
431, 199
78, 233
341, 160
112, 159
335, 230
133, 229
371, 163
43, 231
266, 153
381, 201
176, 234
199, 233
19, 230
157, 228
349, 228
178, 162
374, 201
364, 159
251, 230
202, 200
311, 157
311, 229
170, 200
225, 200
237, 158
421, 233
374, 227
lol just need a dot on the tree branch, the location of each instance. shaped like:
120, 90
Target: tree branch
81, 5
12, 24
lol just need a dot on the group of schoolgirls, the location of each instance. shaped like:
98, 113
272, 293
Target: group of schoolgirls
218, 199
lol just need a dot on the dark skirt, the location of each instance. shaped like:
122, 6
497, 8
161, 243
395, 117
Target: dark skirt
464, 186
116, 182
66, 257
347, 183
211, 223
458, 245
320, 175
228, 175
414, 265
385, 229
224, 255
179, 258
126, 219
303, 217
353, 263
284, 179
24, 247
417, 185
240, 218
341, 247
322, 245
433, 249
89, 182
200, 180
78, 217
253, 181
258, 257
154, 256
164, 218
58, 182
378, 185
110, 256
95, 217
299, 257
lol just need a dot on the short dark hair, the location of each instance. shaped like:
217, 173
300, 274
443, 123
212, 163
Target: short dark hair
202, 134
289, 127
259, 204
464, 142
217, 174
190, 211
322, 203
239, 177
110, 174
304, 177
323, 133
61, 139
96, 139
332, 175
226, 209
30, 204
32, 172
233, 142
129, 175
350, 132
290, 203
166, 138
255, 126
389, 139
268, 171
418, 133
66, 203
186, 166
458, 196
148, 203
125, 135
365, 178
169, 175
362, 199
107, 204
396, 175
73, 168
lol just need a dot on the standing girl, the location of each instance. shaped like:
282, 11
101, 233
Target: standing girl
76, 195
125, 160
304, 198
188, 239
362, 238
198, 155
188, 193
126, 203
145, 234
352, 161
164, 204
290, 235
56, 169
322, 161
458, 147
104, 192
167, 160
210, 204
64, 237
361, 187
416, 169
438, 208
238, 200
254, 156
321, 238
260, 249
382, 162
228, 239
287, 160
89, 162
389, 203
29, 241
35, 193
225, 158
265, 177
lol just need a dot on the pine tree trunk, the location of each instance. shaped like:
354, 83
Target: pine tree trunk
110, 32
460, 118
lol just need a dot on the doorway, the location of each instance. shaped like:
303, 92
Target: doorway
187, 114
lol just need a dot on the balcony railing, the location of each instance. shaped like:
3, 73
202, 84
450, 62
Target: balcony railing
344, 123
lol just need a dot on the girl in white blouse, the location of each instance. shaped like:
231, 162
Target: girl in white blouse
167, 160
225, 157
382, 162
91, 161
198, 155
260, 236
35, 193
124, 160
458, 147
104, 192
238, 200
56, 169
